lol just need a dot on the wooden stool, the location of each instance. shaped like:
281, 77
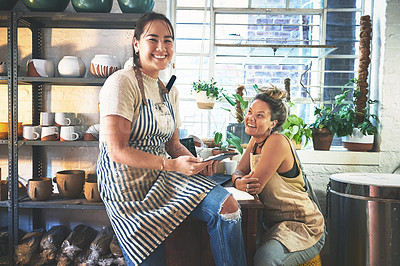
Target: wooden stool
316, 261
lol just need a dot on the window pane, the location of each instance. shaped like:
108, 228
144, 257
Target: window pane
194, 32
315, 4
192, 17
192, 46
344, 4
342, 30
268, 3
230, 3
191, 3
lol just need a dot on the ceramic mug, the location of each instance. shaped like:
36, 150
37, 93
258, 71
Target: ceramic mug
66, 119
46, 119
30, 132
40, 188
70, 182
67, 133
91, 190
230, 166
49, 133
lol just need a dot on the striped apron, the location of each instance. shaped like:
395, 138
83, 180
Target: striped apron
145, 205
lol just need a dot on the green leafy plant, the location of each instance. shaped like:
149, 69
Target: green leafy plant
233, 140
209, 87
347, 115
325, 118
295, 128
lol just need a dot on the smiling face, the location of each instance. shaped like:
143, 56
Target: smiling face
258, 120
155, 47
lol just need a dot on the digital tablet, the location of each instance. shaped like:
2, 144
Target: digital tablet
221, 156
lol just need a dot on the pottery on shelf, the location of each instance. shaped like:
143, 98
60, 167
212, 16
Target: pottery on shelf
3, 68
40, 188
136, 6
91, 190
102, 66
7, 4
71, 67
46, 5
40, 68
70, 182
128, 63
95, 6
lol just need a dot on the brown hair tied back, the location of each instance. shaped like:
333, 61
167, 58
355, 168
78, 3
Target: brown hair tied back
274, 96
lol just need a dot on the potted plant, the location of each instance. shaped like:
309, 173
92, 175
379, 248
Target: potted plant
295, 129
356, 127
324, 127
206, 93
224, 146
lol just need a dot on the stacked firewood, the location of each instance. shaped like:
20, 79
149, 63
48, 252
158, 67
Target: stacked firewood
364, 60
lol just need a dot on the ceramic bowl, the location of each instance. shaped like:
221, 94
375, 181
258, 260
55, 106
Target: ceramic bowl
102, 66
70, 182
71, 67
136, 6
46, 5
96, 6
40, 188
40, 68
7, 4
4, 130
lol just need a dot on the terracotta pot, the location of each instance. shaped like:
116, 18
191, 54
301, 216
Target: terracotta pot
297, 146
71, 67
357, 141
70, 182
40, 188
91, 190
322, 139
102, 66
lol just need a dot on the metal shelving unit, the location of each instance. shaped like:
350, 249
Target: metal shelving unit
36, 21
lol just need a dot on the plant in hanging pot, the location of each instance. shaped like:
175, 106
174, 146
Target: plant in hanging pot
356, 127
223, 146
206, 93
324, 127
295, 129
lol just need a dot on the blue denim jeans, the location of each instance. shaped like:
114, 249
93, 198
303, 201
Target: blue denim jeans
226, 239
273, 253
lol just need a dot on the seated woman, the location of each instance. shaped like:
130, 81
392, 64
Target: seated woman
293, 224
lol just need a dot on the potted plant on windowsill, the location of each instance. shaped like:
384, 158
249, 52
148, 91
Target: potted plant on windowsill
206, 93
295, 129
356, 127
324, 127
225, 146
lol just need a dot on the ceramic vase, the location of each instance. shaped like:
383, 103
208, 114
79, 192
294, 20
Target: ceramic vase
40, 68
102, 66
40, 188
95, 6
71, 67
46, 5
136, 6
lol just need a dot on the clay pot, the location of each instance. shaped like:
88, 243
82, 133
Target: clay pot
136, 6
102, 66
70, 182
46, 5
4, 130
322, 139
96, 6
40, 68
91, 190
71, 67
40, 188
357, 141
203, 101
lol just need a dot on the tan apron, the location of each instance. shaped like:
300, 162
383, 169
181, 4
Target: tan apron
290, 215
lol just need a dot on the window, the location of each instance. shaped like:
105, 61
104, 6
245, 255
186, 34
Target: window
261, 42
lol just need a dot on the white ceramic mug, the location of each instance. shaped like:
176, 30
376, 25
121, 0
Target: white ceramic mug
67, 133
66, 119
49, 133
46, 119
30, 132
81, 129
230, 166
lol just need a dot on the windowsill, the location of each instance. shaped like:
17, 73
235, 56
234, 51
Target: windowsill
338, 156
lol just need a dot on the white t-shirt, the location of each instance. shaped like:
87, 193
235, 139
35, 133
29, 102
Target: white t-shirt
120, 95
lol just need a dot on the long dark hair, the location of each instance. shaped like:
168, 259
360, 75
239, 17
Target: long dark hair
141, 24
274, 98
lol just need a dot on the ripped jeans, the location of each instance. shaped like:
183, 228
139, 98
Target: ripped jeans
226, 239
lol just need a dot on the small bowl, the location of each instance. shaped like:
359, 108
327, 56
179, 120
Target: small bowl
46, 5
96, 6
136, 6
7, 4
4, 130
